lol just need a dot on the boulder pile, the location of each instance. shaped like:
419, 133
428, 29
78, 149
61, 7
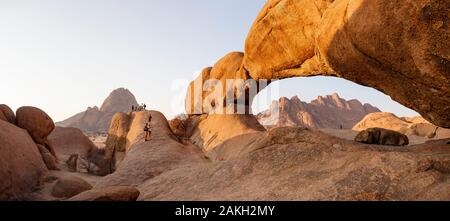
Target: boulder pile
26, 153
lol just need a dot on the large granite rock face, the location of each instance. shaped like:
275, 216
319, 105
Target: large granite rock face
147, 159
212, 91
74, 148
214, 129
118, 131
68, 140
283, 38
324, 112
125, 131
21, 164
98, 119
404, 53
299, 164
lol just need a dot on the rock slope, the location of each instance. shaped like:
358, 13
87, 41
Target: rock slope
299, 164
146, 160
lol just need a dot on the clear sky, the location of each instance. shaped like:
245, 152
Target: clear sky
66, 55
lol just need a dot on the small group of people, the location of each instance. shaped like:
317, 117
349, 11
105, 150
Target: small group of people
148, 129
141, 107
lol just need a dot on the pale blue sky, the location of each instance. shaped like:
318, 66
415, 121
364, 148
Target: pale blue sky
65, 55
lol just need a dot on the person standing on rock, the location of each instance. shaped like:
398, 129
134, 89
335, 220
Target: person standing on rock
148, 129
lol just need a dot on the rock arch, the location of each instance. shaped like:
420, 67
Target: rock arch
404, 53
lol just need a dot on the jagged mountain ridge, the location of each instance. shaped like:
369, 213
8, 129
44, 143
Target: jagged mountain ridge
329, 111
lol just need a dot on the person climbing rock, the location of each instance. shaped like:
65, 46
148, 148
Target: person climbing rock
148, 129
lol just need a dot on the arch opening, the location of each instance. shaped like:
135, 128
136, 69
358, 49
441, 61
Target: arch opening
338, 107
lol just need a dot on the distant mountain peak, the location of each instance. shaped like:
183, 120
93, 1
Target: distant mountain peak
119, 100
93, 108
330, 111
295, 98
335, 95
96, 119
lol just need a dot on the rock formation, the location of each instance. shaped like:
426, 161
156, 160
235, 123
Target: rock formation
101, 162
224, 88
416, 126
72, 163
68, 141
126, 130
118, 131
70, 186
381, 136
137, 123
90, 158
424, 130
414, 120
98, 119
179, 126
403, 53
383, 120
299, 164
21, 164
215, 129
7, 113
38, 124
145, 160
325, 112
3, 117
114, 193
49, 159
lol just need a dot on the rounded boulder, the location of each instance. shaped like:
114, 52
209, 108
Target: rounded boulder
38, 124
8, 113
69, 187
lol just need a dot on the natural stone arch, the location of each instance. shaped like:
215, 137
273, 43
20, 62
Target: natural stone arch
404, 53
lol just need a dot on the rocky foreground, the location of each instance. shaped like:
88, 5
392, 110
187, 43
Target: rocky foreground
287, 163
